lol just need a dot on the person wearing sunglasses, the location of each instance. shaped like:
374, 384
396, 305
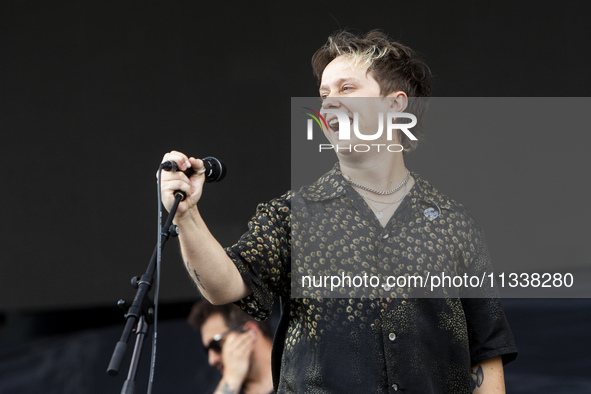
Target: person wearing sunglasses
238, 346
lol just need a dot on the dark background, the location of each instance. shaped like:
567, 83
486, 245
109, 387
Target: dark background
93, 94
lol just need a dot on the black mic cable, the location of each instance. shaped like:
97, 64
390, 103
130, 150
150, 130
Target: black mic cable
214, 171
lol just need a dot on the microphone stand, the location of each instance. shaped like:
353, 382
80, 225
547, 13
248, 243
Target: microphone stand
141, 310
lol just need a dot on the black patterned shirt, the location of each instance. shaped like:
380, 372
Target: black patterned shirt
392, 340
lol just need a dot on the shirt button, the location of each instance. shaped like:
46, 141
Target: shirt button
386, 235
395, 387
392, 336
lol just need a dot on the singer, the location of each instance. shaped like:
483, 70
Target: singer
368, 211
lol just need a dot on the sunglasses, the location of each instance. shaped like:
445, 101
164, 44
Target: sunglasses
215, 343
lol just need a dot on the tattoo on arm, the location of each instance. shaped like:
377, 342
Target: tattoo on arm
195, 276
198, 280
477, 377
226, 389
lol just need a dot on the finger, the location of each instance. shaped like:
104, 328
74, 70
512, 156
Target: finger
237, 350
179, 158
171, 175
197, 166
245, 347
243, 342
236, 339
178, 184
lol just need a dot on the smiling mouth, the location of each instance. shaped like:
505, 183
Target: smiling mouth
333, 124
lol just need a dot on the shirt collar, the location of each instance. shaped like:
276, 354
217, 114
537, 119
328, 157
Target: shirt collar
424, 193
333, 185
328, 186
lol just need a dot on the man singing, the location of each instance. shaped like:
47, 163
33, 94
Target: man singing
368, 214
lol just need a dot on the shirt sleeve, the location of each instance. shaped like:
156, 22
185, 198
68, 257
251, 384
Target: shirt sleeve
489, 333
262, 256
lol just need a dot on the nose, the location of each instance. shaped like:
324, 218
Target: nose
213, 358
330, 102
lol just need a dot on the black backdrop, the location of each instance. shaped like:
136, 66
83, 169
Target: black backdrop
93, 93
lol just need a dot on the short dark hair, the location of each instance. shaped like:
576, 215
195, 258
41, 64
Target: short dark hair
232, 315
393, 65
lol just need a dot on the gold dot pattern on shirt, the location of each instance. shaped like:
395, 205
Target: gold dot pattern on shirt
327, 230
342, 239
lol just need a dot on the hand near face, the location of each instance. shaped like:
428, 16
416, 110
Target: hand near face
236, 356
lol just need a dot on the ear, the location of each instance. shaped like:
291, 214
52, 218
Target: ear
252, 327
398, 101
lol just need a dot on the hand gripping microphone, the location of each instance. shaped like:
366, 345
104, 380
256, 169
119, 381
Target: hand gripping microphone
214, 171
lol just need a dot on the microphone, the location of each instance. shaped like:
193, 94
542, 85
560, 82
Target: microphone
215, 170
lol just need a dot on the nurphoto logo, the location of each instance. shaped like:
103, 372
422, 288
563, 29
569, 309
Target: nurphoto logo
339, 122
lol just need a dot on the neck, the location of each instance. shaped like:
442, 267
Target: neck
380, 172
260, 379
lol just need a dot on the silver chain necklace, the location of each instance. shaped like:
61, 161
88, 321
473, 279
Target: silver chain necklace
387, 202
380, 212
380, 192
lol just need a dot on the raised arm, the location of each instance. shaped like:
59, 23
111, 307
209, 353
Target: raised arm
206, 261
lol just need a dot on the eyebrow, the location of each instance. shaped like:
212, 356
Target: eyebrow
339, 81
